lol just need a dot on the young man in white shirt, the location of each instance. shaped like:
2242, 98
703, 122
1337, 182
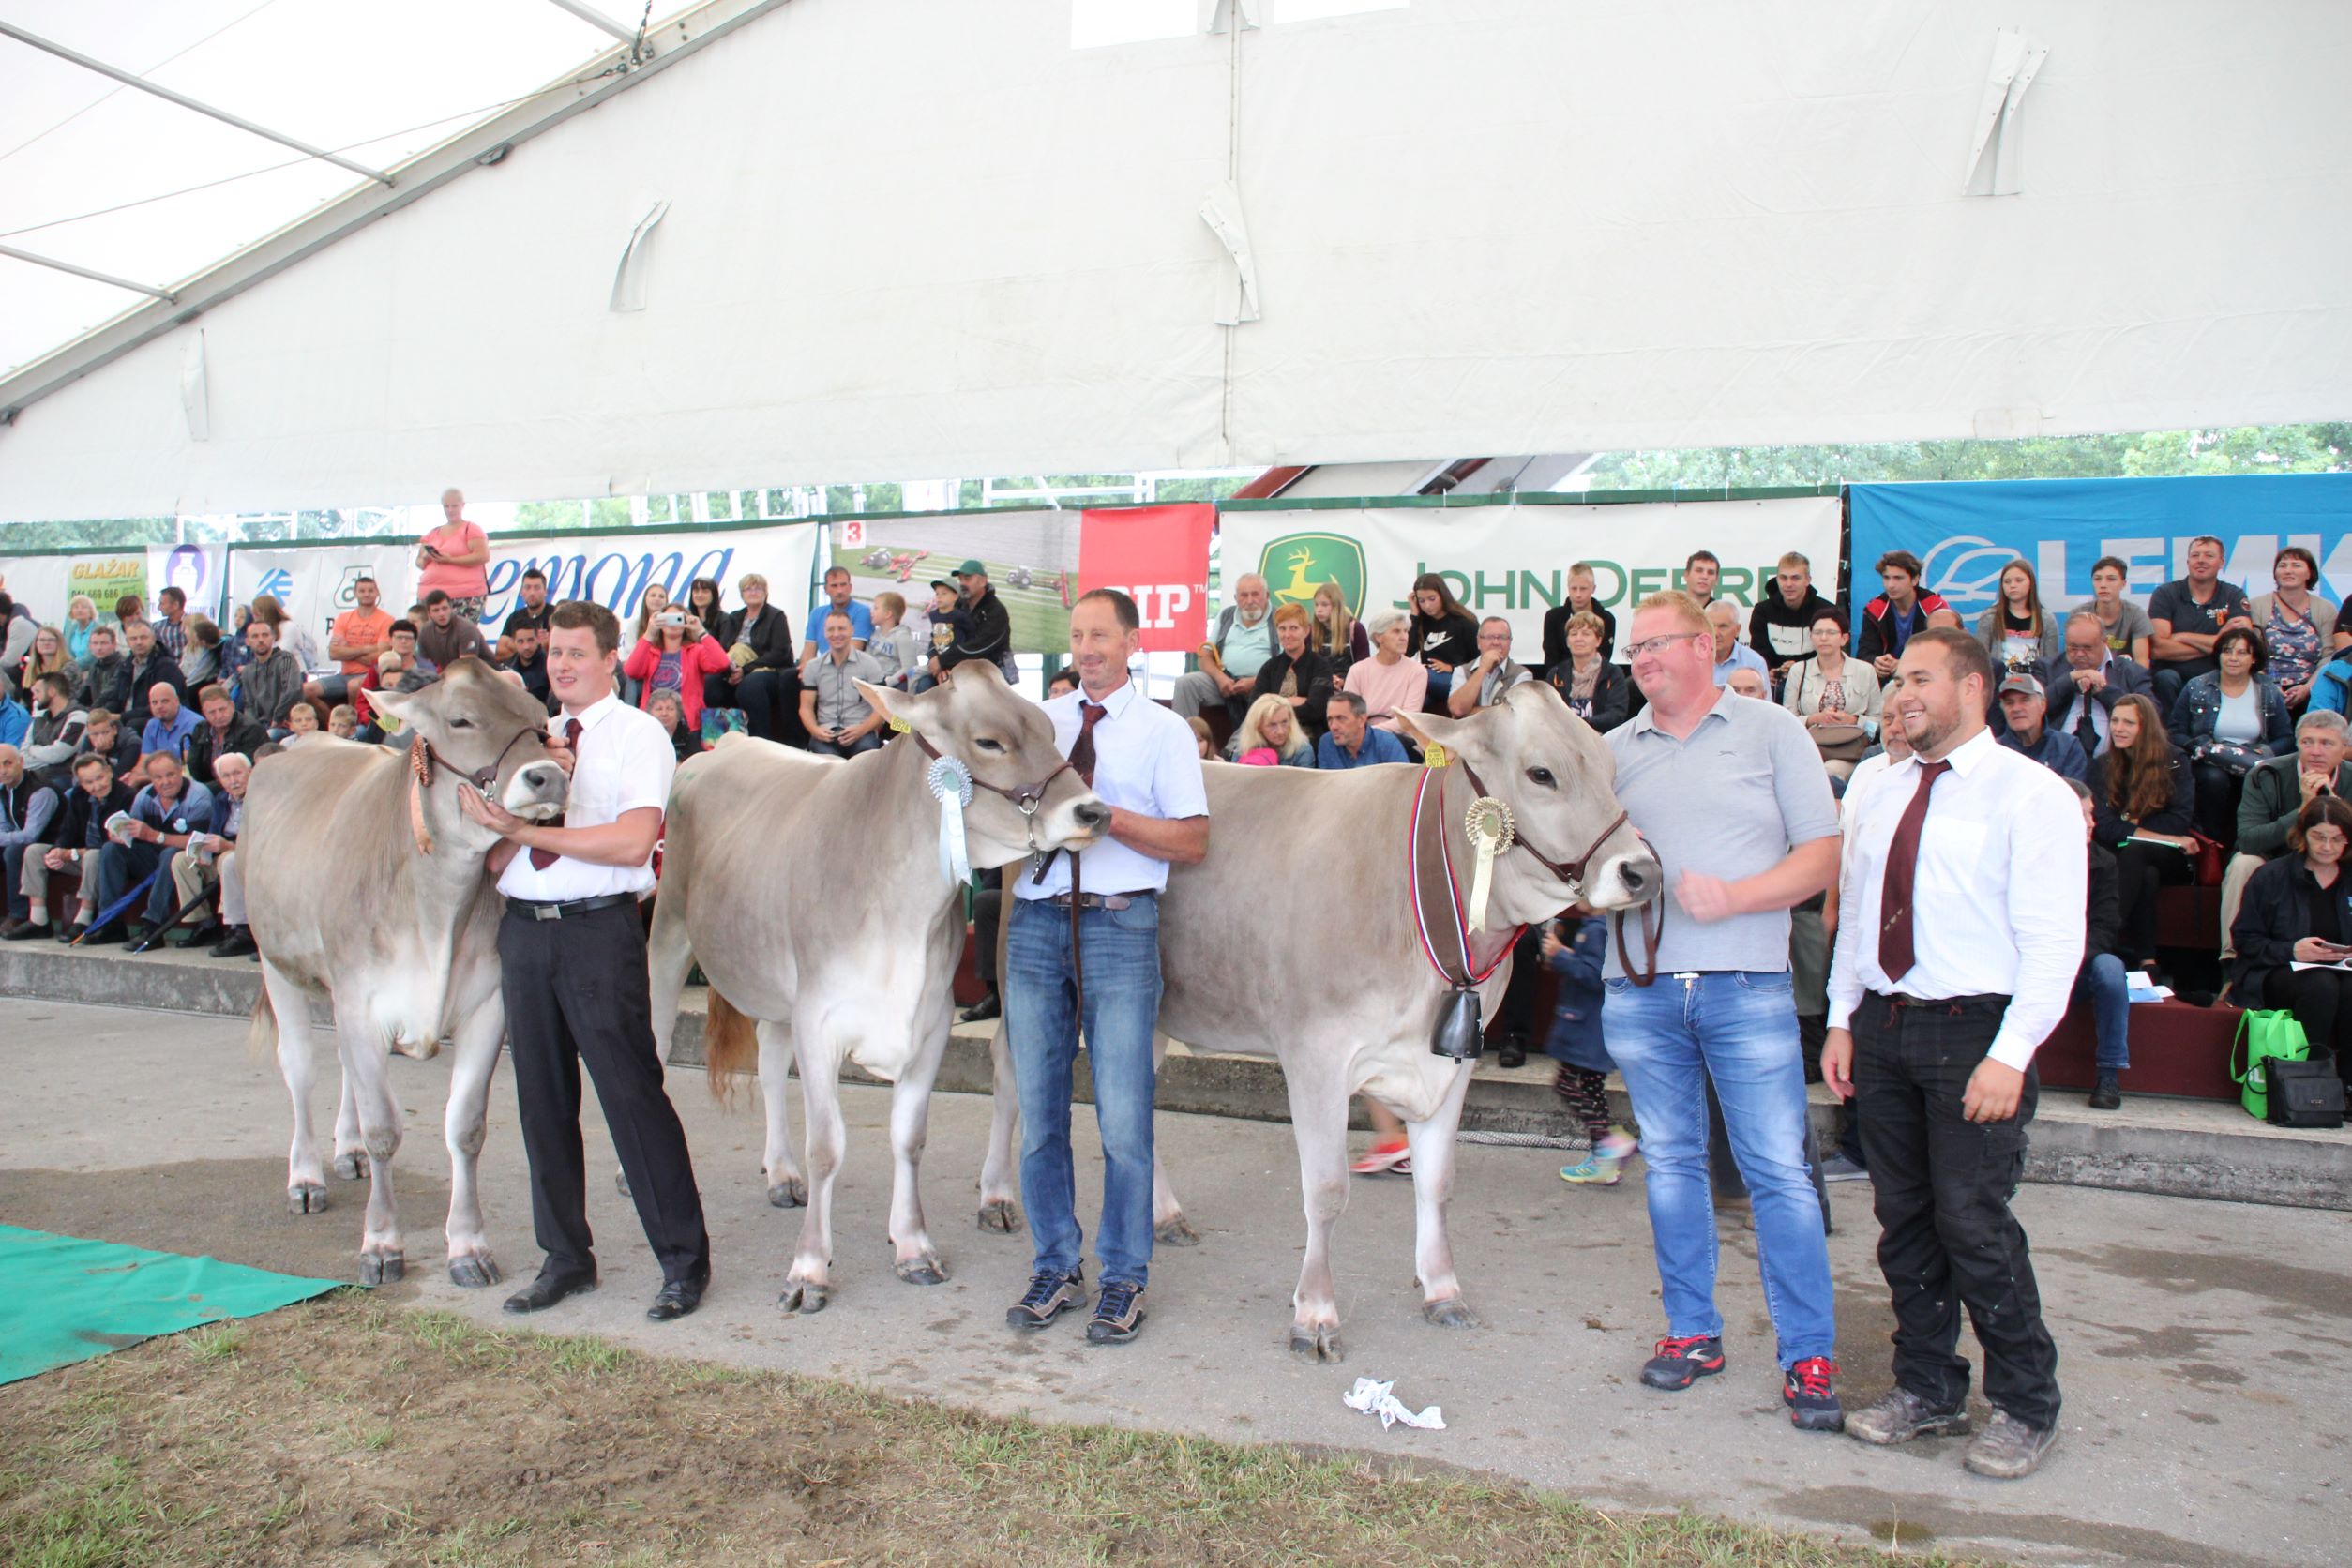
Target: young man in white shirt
1960, 934
1141, 759
573, 952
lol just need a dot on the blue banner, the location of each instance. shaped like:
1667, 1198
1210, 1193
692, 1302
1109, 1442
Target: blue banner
1964, 533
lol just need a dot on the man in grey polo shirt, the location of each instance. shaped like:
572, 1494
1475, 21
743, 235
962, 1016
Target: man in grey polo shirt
1732, 797
840, 722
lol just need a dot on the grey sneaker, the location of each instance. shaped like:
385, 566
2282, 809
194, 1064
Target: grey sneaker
1899, 1415
1118, 1314
2008, 1449
1049, 1295
1837, 1168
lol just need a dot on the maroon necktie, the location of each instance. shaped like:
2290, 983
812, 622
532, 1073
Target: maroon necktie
1082, 750
542, 859
1895, 957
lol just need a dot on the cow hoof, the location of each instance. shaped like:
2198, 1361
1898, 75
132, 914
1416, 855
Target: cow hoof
621, 1183
1177, 1232
922, 1271
806, 1300
473, 1272
351, 1167
1453, 1313
306, 1197
789, 1193
382, 1268
1001, 1215
1317, 1344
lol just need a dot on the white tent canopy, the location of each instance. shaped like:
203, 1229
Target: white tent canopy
934, 237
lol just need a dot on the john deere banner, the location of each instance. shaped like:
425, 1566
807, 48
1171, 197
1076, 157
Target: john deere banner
46, 584
1513, 559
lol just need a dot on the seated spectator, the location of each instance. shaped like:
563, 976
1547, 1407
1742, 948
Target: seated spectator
2018, 633
191, 867
2188, 617
2100, 980
163, 815
839, 721
47, 653
2226, 723
1556, 618
1780, 627
16, 719
169, 724
272, 682
170, 623
2083, 684
302, 722
82, 819
950, 625
225, 730
81, 621
1837, 699
1269, 737
531, 609
104, 673
1946, 619
2329, 685
28, 817
759, 674
1061, 682
446, 636
2146, 800
342, 722
54, 737
2275, 794
1339, 636
2123, 626
293, 636
1748, 682
1596, 690
17, 627
1573, 948
1296, 674
1389, 681
1889, 620
145, 667
1352, 741
397, 669
1702, 569
528, 660
2295, 624
983, 631
202, 666
894, 644
1483, 683
679, 656
1723, 621
354, 640
837, 592
666, 707
2299, 910
1204, 739
1242, 642
109, 737
236, 652
1444, 636
2024, 707
130, 607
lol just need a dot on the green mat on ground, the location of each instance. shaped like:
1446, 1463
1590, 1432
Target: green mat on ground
64, 1299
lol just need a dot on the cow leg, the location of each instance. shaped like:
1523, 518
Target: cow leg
1168, 1226
306, 1174
1433, 1147
481, 1029
351, 1160
809, 1286
999, 1178
669, 959
367, 1054
917, 1261
786, 1188
1318, 1121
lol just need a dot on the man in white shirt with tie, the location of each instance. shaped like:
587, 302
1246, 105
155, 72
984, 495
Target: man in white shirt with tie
1962, 930
572, 949
1141, 759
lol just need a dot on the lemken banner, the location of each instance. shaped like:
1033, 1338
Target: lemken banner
1964, 533
1513, 559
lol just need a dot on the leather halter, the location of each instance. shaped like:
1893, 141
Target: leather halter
423, 759
1026, 798
1653, 918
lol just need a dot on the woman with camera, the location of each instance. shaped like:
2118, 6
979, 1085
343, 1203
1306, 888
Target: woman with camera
2299, 910
676, 658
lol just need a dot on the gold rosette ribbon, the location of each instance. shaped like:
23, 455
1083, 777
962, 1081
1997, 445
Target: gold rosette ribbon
1491, 832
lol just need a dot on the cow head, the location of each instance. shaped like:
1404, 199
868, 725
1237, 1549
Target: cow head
1007, 743
487, 729
1557, 776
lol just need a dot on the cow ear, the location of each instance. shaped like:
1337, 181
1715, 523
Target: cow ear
391, 702
897, 707
1433, 729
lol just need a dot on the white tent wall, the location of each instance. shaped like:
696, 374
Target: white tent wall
930, 237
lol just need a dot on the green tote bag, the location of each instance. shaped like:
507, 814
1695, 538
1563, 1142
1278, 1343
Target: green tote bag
2263, 1034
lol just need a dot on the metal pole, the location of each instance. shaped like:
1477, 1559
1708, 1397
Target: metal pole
8, 29
595, 18
14, 254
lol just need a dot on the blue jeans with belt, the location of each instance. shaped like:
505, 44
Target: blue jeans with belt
1737, 1028
1121, 949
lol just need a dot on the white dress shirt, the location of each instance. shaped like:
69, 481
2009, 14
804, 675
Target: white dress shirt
623, 760
1998, 892
1146, 759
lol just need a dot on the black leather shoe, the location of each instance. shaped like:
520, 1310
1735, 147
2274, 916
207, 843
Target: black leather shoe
236, 944
987, 1008
23, 930
109, 935
678, 1298
69, 930
548, 1290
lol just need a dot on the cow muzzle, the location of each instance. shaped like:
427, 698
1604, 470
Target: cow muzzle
1626, 881
537, 791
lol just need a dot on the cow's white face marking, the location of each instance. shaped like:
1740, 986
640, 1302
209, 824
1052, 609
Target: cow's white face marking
536, 792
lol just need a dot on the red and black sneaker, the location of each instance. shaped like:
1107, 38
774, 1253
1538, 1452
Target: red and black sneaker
1810, 1396
1682, 1361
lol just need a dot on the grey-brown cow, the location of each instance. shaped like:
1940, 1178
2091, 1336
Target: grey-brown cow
364, 883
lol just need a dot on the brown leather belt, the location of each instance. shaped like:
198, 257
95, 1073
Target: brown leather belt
1098, 901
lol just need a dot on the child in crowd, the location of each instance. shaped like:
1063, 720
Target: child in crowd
894, 644
302, 721
1574, 948
343, 723
949, 621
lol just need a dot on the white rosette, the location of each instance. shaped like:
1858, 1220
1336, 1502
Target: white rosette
1491, 831
951, 785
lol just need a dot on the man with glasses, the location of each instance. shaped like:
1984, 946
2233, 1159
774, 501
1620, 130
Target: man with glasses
2085, 681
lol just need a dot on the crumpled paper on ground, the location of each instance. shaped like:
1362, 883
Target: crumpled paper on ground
1378, 1399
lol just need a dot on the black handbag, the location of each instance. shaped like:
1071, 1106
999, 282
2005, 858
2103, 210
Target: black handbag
2304, 1093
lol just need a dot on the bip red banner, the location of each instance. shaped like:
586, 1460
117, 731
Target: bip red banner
1159, 557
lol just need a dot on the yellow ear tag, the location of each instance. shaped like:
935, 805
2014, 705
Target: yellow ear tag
901, 726
1435, 756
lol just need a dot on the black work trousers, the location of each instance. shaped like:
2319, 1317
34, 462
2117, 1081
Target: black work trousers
577, 993
2321, 1000
2140, 870
1942, 1186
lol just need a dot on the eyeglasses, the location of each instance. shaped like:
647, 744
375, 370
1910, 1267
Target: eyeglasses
1660, 644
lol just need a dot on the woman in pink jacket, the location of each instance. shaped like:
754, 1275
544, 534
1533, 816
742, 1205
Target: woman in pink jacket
673, 657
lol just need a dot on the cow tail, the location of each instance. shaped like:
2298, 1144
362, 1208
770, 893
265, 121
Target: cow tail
261, 1039
731, 1045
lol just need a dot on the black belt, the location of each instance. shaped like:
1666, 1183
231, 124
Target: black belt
1098, 901
532, 910
1985, 1001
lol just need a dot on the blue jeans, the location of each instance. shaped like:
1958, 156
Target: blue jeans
1739, 1029
2101, 980
122, 867
1122, 1004
871, 741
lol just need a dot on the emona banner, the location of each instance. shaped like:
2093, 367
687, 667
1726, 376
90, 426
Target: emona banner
1513, 559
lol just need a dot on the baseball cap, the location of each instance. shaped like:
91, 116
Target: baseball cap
942, 582
2030, 685
971, 568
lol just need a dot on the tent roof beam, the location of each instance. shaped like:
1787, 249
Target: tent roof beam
107, 278
596, 19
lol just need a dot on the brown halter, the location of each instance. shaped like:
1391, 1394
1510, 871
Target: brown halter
1652, 913
422, 762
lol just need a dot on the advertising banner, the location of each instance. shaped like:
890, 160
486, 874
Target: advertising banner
46, 584
1964, 533
1032, 559
1159, 557
314, 581
614, 568
1513, 560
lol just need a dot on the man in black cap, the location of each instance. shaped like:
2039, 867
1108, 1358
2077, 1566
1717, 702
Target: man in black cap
985, 629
